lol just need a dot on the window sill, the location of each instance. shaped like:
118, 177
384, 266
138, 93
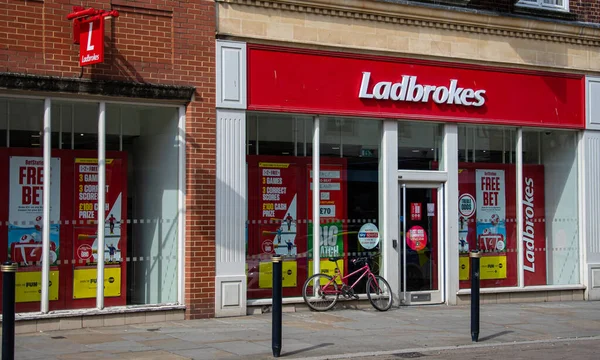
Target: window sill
446, 2
293, 300
556, 13
95, 312
523, 289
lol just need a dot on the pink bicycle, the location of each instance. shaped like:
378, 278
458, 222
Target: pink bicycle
321, 291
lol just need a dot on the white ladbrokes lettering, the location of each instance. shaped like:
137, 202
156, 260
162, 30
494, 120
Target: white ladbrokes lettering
409, 90
529, 229
88, 58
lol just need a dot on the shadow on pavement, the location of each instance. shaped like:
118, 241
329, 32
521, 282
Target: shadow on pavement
490, 337
291, 353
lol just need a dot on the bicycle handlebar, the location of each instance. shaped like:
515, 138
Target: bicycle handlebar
365, 258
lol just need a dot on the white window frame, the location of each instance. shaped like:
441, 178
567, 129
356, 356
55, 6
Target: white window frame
539, 4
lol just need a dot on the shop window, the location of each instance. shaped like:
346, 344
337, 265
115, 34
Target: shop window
278, 159
550, 208
23, 120
349, 193
63, 132
141, 208
70, 132
85, 126
145, 225
419, 145
4, 114
487, 204
280, 218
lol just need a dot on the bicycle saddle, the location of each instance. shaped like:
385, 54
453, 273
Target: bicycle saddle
334, 259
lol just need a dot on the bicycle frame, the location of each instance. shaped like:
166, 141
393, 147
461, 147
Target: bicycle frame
365, 269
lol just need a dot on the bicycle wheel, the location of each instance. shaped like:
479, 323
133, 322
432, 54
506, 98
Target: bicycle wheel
379, 293
318, 295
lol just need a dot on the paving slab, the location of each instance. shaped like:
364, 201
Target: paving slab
342, 333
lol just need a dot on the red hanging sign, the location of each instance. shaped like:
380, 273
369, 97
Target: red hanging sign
91, 41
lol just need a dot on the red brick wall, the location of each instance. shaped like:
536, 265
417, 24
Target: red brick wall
154, 41
586, 10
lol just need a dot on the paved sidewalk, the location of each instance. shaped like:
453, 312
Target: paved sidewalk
345, 333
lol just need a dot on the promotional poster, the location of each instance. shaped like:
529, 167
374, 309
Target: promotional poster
491, 210
86, 197
85, 238
278, 208
86, 280
28, 286
26, 210
279, 214
487, 222
332, 211
368, 236
416, 238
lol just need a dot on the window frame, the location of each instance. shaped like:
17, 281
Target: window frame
539, 4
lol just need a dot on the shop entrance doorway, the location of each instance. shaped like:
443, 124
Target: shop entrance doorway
422, 243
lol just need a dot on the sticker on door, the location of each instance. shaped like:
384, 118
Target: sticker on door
415, 211
430, 209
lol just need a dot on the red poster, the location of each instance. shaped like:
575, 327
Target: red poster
415, 211
534, 225
278, 207
85, 243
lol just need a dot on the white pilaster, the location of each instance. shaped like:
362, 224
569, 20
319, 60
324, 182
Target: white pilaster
231, 182
450, 161
388, 205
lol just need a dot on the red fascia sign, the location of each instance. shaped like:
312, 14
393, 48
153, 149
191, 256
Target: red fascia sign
91, 41
332, 83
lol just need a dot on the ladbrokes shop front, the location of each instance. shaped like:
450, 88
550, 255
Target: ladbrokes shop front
418, 162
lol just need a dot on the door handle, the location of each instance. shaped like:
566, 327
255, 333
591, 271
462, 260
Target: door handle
395, 243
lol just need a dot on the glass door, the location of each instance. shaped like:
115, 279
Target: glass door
421, 231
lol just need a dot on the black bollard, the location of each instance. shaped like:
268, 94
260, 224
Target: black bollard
475, 257
8, 310
277, 296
